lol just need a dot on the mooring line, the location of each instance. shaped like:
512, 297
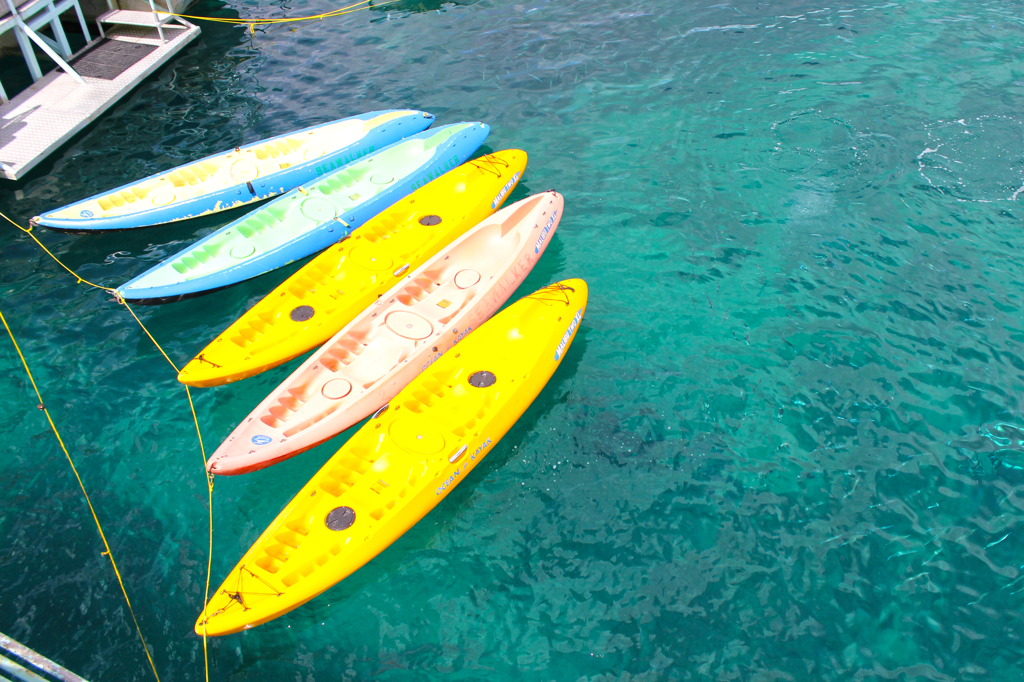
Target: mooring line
195, 420
252, 23
209, 476
109, 554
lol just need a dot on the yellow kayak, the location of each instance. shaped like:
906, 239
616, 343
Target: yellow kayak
321, 298
403, 461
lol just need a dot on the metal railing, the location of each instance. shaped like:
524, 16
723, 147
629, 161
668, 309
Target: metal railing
26, 21
156, 9
18, 662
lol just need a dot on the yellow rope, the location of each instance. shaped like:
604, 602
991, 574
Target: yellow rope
209, 477
252, 23
73, 273
195, 420
88, 501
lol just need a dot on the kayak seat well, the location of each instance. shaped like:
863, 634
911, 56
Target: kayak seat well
257, 224
381, 228
364, 355
463, 408
276, 148
344, 179
344, 473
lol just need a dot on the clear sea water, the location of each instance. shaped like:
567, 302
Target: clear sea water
788, 443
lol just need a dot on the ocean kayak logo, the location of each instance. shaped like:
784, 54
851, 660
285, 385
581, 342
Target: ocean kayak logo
461, 470
505, 190
261, 440
568, 333
450, 481
544, 232
482, 447
87, 213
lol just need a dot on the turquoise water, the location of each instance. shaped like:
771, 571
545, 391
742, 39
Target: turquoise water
787, 443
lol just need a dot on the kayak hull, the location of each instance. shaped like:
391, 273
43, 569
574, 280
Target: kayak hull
386, 346
328, 292
402, 463
309, 218
239, 177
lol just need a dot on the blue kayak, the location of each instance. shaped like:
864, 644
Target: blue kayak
309, 218
241, 176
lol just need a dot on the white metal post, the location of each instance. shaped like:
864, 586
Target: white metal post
26, 47
45, 48
81, 22
58, 31
30, 56
159, 24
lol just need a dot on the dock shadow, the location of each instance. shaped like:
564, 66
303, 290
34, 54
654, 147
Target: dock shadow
10, 127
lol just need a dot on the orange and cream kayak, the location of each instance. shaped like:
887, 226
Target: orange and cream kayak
373, 357
313, 304
402, 462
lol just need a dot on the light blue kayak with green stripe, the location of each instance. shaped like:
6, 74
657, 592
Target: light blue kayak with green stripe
309, 218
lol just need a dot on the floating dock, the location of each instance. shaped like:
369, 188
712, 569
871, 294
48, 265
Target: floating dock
132, 45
